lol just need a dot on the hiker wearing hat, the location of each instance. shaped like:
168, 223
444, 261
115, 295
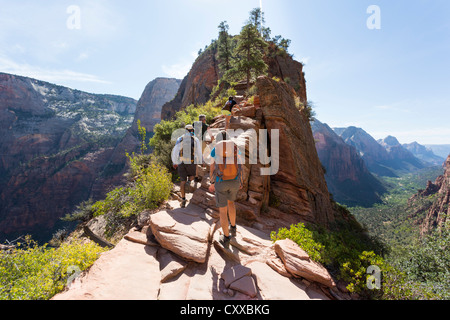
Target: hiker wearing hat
186, 154
226, 181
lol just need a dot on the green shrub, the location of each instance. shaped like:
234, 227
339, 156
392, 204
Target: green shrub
303, 237
32, 272
152, 184
341, 250
347, 253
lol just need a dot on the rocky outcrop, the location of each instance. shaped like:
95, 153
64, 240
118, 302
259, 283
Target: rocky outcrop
198, 85
184, 232
435, 215
298, 263
299, 185
283, 66
347, 176
297, 191
194, 265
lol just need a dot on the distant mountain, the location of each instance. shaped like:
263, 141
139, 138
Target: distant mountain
58, 147
386, 157
347, 176
375, 156
442, 150
400, 158
423, 153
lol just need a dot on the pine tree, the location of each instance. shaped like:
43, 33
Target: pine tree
225, 51
257, 19
249, 54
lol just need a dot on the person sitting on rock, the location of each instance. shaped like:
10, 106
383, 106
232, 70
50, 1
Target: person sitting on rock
186, 154
226, 181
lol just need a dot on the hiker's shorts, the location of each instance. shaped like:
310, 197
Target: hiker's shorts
187, 170
226, 191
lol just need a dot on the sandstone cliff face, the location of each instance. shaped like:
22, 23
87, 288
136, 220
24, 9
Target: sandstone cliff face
300, 184
198, 85
436, 215
347, 176
148, 111
59, 147
54, 145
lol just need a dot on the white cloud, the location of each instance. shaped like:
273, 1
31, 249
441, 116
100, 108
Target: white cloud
83, 56
178, 71
9, 66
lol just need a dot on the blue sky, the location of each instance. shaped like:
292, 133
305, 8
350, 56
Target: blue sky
391, 81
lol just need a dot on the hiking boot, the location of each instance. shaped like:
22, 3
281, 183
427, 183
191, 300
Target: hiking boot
183, 203
224, 241
233, 231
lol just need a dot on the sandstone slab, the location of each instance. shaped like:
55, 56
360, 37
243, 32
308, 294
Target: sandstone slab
128, 272
170, 265
273, 286
235, 273
245, 285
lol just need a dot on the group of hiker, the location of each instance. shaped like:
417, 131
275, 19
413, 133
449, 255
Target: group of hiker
225, 168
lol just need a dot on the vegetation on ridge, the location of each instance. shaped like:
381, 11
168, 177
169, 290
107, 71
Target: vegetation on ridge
32, 272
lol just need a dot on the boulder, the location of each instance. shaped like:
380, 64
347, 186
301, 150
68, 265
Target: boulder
299, 264
246, 111
182, 233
